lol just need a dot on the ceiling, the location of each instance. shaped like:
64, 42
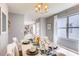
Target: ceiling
28, 9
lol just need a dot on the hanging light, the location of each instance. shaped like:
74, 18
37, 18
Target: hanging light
41, 7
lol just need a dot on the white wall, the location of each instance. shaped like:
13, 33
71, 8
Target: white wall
17, 26
4, 35
28, 20
43, 27
55, 29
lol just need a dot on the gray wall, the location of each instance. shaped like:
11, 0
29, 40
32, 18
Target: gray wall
49, 33
16, 27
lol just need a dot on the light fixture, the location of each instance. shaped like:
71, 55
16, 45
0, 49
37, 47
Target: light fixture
41, 7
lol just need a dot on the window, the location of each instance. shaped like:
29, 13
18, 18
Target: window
68, 32
3, 22
74, 27
62, 27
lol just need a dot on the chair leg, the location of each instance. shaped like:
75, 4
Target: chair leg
20, 53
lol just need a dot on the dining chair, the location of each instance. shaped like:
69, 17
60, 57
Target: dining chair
12, 50
18, 44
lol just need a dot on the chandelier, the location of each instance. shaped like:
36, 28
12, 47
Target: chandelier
41, 7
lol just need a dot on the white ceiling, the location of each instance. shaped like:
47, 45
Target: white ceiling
28, 9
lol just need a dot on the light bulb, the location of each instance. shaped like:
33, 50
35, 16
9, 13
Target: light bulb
46, 6
39, 6
36, 8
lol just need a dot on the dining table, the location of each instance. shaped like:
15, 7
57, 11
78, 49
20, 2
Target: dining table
25, 47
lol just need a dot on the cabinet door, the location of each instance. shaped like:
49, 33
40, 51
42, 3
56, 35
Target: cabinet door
74, 21
62, 33
74, 33
62, 22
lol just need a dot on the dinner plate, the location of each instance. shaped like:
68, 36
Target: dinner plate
25, 42
32, 53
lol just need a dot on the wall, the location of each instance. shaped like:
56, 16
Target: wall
28, 19
42, 26
16, 27
4, 35
50, 33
